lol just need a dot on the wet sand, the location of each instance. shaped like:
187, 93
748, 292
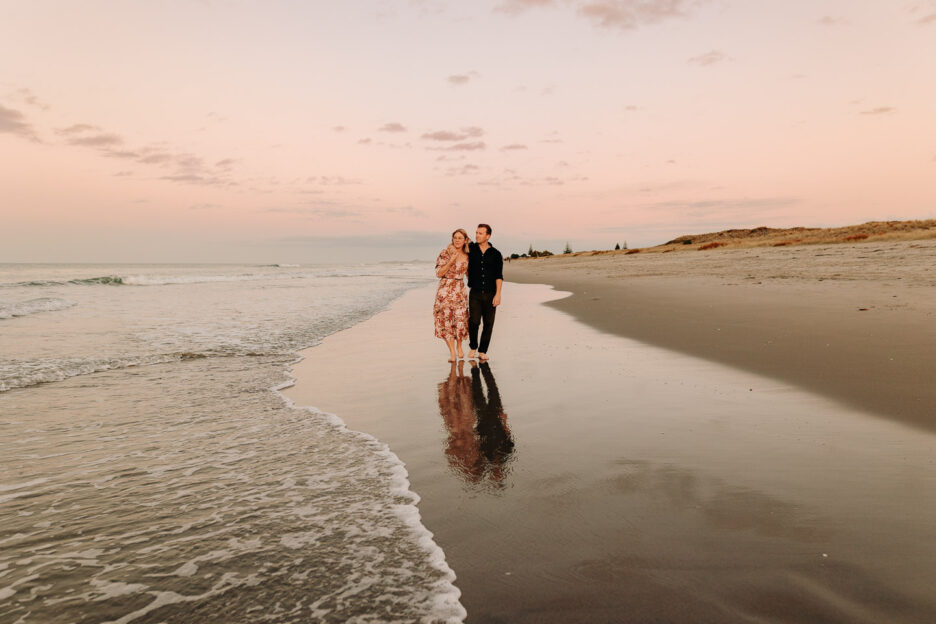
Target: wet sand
854, 322
583, 476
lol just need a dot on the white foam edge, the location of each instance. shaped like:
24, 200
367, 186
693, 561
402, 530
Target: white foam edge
78, 368
33, 306
446, 604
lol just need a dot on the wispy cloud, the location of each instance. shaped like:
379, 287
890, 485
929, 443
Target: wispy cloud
182, 167
880, 110
392, 127
718, 213
77, 129
186, 177
405, 239
612, 14
467, 169
89, 135
333, 213
339, 128
513, 146
429, 7
513, 7
106, 139
631, 14
319, 208
125, 154
829, 20
925, 12
461, 147
472, 132
185, 167
30, 98
709, 58
344, 210
732, 207
409, 211
14, 122
149, 156
461, 79
510, 178
333, 180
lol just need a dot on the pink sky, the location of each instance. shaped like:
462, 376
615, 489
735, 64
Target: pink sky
229, 130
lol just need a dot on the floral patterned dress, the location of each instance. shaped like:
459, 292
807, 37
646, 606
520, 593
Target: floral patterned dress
450, 310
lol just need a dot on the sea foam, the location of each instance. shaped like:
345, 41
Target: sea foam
33, 306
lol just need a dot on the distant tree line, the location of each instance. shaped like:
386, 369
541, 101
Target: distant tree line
533, 253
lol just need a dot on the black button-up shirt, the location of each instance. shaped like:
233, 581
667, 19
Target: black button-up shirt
484, 269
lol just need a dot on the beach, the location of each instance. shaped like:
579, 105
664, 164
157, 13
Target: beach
667, 438
167, 453
854, 322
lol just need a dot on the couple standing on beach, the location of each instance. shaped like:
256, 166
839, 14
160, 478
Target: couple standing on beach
459, 314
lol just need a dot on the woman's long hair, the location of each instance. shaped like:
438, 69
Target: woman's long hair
463, 233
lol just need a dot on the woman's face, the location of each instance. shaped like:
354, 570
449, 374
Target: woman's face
458, 239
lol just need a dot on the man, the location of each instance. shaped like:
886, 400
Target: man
485, 277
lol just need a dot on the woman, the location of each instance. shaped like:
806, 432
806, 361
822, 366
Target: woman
451, 301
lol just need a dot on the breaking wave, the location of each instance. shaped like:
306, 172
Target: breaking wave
33, 306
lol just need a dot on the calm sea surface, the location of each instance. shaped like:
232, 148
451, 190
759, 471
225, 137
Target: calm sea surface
150, 471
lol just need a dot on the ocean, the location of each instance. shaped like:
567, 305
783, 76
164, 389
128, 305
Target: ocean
150, 470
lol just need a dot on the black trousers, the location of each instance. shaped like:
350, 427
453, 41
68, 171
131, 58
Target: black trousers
480, 308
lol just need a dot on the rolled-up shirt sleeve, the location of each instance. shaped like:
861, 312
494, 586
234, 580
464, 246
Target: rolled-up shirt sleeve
497, 272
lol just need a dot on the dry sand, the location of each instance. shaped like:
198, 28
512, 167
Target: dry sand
587, 477
855, 322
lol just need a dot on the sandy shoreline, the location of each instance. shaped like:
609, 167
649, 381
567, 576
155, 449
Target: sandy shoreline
854, 322
587, 477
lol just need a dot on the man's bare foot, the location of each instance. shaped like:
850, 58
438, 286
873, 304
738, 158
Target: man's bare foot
472, 354
483, 357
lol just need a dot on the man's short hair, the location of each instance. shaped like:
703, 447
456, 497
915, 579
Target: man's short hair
486, 227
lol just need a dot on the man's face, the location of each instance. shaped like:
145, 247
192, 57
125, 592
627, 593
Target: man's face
482, 236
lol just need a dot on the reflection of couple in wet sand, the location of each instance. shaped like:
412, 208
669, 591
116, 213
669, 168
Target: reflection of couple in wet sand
479, 446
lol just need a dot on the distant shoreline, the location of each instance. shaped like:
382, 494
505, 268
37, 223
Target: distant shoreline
870, 232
